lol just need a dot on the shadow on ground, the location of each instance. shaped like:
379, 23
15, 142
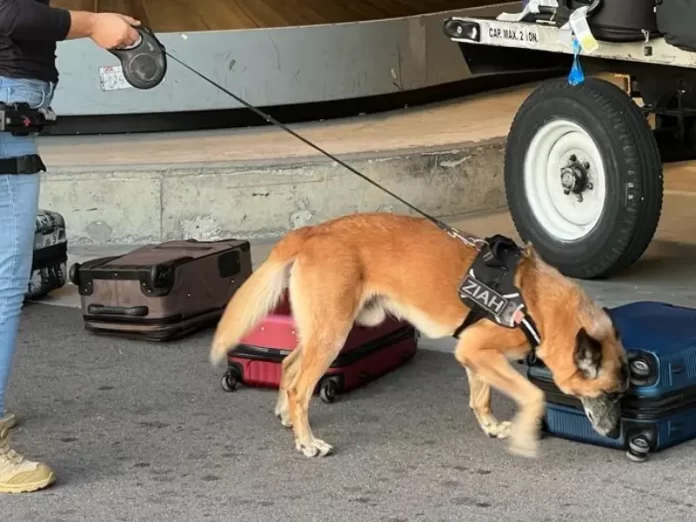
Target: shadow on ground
662, 274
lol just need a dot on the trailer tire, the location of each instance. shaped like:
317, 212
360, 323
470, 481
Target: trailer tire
587, 144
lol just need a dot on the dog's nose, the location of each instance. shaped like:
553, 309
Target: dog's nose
615, 432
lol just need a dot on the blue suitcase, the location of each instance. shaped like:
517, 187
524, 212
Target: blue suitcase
659, 409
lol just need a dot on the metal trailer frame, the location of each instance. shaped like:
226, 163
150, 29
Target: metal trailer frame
300, 73
634, 132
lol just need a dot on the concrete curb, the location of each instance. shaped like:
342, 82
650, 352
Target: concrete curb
151, 203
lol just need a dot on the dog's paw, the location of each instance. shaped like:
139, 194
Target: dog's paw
313, 448
493, 428
284, 419
523, 444
498, 430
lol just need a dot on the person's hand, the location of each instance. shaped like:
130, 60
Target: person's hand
113, 30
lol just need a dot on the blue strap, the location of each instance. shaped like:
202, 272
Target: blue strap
576, 76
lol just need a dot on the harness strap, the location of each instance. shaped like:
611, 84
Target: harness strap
474, 315
527, 325
30, 164
530, 331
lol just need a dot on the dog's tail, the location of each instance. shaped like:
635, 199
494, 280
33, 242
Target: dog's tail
257, 296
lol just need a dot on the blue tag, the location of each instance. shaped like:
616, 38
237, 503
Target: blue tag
576, 76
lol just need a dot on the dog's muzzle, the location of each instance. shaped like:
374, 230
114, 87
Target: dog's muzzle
605, 415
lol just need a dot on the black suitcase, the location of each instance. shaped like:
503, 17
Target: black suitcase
676, 20
614, 20
49, 264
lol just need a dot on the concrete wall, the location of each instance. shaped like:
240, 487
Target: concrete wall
127, 206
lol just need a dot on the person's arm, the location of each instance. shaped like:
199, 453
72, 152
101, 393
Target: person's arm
81, 24
24, 20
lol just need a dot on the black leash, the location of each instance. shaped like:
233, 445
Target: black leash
270, 119
489, 255
144, 66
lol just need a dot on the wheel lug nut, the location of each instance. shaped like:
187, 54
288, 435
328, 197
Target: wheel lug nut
573, 158
586, 165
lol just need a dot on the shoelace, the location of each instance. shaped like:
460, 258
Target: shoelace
7, 453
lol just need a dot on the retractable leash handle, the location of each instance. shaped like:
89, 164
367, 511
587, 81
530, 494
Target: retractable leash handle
144, 63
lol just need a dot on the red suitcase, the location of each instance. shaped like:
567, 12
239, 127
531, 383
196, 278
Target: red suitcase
369, 352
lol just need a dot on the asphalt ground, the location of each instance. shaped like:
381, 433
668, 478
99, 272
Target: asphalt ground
141, 432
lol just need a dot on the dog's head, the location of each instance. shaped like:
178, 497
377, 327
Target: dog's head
601, 375
585, 353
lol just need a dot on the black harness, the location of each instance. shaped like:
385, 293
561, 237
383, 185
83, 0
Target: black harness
489, 290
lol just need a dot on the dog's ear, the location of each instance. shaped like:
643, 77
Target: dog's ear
529, 251
588, 354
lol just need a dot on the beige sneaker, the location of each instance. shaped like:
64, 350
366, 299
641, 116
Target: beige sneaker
18, 475
8, 421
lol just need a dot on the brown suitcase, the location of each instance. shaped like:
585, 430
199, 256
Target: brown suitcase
161, 292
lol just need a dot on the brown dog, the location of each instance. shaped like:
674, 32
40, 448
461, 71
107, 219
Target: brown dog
363, 266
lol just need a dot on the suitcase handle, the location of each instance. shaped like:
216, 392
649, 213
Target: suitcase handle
132, 311
194, 244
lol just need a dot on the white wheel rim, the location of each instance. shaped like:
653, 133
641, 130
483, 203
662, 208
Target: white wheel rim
562, 215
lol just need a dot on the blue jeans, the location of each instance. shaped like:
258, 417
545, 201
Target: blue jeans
19, 200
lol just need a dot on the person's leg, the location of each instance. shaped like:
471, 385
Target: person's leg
18, 205
19, 196
18, 208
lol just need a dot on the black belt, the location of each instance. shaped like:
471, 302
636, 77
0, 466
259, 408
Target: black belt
30, 164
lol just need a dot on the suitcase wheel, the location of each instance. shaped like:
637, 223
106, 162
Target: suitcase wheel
328, 389
641, 370
72, 274
231, 379
638, 448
